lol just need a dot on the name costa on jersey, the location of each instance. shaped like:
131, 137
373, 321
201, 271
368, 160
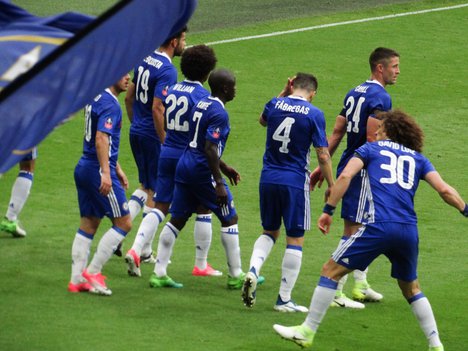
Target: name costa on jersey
281, 105
153, 62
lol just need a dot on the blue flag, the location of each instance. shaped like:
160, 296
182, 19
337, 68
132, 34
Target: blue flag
50, 67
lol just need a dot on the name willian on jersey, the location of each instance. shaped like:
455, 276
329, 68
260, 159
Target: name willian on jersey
183, 88
396, 146
281, 105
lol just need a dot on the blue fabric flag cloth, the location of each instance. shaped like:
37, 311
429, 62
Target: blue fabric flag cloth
50, 67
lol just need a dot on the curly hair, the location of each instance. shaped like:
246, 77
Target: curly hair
197, 62
402, 129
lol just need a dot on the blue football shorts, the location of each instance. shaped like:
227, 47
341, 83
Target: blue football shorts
398, 241
146, 152
187, 198
91, 202
291, 204
165, 184
30, 155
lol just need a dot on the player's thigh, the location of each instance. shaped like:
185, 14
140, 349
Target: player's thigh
361, 248
165, 182
206, 195
403, 250
184, 203
146, 152
271, 210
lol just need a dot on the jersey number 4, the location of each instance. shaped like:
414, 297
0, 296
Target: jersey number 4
282, 133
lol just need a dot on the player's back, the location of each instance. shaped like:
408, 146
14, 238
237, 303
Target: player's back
105, 115
180, 100
394, 173
293, 125
152, 77
360, 103
209, 121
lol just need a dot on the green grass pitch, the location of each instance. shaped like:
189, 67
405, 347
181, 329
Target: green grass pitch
36, 311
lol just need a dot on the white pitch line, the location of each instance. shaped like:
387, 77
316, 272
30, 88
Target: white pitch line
274, 34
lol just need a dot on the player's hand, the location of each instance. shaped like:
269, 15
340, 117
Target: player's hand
221, 195
106, 184
324, 223
122, 178
316, 179
233, 176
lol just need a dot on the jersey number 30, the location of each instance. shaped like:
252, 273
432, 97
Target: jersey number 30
397, 171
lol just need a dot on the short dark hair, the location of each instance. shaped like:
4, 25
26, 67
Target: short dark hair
402, 129
381, 55
197, 62
305, 81
175, 35
219, 78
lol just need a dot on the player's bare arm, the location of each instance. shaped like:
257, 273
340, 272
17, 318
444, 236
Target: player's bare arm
339, 131
262, 121
102, 151
122, 176
325, 164
449, 194
231, 173
129, 99
211, 152
158, 118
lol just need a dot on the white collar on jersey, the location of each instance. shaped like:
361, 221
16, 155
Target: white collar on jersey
110, 93
215, 98
163, 54
193, 81
374, 81
297, 97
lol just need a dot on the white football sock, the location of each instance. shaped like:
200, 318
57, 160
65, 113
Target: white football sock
80, 253
106, 247
321, 300
148, 247
423, 311
167, 240
230, 240
146, 231
360, 276
260, 252
136, 202
290, 271
202, 234
19, 194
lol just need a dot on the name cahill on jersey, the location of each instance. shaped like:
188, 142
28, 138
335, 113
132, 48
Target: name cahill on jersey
281, 105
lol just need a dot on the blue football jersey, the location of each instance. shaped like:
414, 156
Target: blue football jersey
360, 103
209, 121
394, 172
293, 125
104, 115
152, 78
180, 100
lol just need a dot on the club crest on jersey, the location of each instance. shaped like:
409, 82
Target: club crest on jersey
108, 124
216, 133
